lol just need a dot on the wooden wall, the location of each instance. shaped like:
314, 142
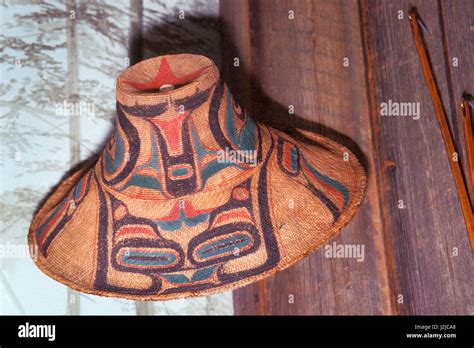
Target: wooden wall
417, 258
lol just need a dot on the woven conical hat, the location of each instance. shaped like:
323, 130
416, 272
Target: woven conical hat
191, 196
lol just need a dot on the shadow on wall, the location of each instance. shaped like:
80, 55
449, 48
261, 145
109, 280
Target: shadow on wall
209, 36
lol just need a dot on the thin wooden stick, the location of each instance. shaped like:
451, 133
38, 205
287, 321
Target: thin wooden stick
443, 124
468, 136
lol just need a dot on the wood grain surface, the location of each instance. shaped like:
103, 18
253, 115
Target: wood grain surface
417, 254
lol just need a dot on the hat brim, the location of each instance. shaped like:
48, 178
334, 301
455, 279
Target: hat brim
299, 200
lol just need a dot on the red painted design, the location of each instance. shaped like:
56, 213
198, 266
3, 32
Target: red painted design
129, 231
188, 211
165, 76
172, 131
53, 221
335, 193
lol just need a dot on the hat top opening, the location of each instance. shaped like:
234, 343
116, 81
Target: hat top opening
170, 76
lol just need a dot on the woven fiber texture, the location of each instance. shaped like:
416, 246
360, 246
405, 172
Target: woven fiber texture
191, 196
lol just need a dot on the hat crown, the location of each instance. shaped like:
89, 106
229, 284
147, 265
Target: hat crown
178, 130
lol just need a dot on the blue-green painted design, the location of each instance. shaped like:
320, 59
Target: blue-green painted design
180, 172
176, 224
336, 184
246, 139
118, 156
176, 278
43, 226
199, 275
143, 181
148, 258
294, 158
219, 247
214, 167
154, 154
78, 187
203, 274
211, 167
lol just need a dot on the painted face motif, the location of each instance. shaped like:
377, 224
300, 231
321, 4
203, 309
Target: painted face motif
184, 246
172, 158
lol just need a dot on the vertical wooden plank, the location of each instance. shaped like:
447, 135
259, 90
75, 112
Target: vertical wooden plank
457, 23
426, 230
299, 62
